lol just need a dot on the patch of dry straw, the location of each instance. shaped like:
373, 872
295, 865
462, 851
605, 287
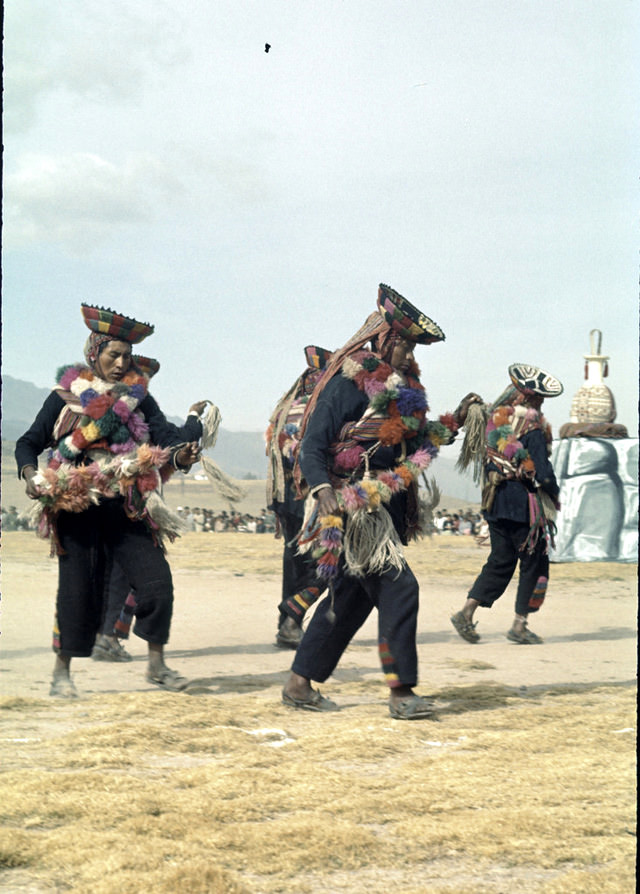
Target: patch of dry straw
238, 794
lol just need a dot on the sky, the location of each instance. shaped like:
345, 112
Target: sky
479, 156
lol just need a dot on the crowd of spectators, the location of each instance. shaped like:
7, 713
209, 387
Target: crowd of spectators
12, 520
203, 520
199, 519
462, 523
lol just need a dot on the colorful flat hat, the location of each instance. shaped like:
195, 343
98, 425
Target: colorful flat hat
147, 365
533, 380
107, 322
317, 358
406, 319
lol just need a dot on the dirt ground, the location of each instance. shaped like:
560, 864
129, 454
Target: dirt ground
569, 830
224, 625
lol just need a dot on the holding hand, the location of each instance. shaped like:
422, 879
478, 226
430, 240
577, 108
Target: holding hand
327, 503
188, 455
199, 406
462, 409
31, 477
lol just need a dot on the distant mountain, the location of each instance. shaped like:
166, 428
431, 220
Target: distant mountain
20, 403
239, 454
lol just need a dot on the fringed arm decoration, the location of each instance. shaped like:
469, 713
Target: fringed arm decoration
472, 452
227, 488
210, 426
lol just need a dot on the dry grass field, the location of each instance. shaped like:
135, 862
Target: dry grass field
526, 782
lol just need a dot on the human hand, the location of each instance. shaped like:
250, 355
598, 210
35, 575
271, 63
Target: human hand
188, 455
462, 409
327, 502
32, 479
199, 406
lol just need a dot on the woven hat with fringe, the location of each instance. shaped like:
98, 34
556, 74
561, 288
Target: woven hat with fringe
105, 321
394, 315
147, 365
533, 380
406, 319
317, 358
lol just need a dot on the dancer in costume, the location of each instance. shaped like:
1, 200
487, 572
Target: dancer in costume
365, 441
301, 584
519, 500
120, 598
109, 449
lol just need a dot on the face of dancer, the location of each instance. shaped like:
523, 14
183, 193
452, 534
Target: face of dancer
402, 354
114, 361
534, 401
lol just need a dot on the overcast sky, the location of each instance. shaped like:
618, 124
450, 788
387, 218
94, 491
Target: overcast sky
480, 156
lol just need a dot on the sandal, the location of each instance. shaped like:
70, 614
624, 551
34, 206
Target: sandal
524, 637
465, 628
168, 679
415, 707
63, 687
110, 649
317, 702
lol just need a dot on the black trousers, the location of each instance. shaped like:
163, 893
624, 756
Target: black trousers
299, 576
395, 595
507, 538
91, 540
116, 590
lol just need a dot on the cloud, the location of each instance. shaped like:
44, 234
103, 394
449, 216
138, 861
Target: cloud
79, 200
100, 53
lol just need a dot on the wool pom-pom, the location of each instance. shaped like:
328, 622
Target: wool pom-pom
405, 475
87, 396
137, 426
349, 459
421, 458
120, 435
410, 400
124, 447
390, 480
90, 432
502, 416
380, 402
144, 456
360, 378
97, 407
373, 386
383, 372
373, 494
449, 421
147, 482
412, 424
350, 368
65, 375
331, 521
392, 431
371, 362
330, 537
138, 391
510, 449
352, 498
528, 465
121, 410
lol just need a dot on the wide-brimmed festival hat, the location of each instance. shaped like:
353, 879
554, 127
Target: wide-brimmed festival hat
406, 319
533, 380
147, 365
104, 321
317, 358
